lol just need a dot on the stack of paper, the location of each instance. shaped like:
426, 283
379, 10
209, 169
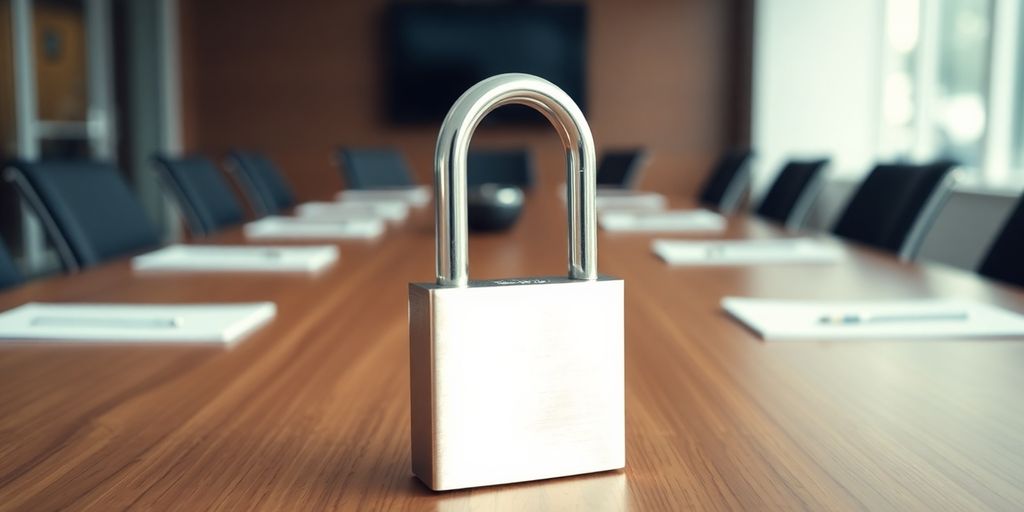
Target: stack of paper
280, 228
746, 252
227, 258
624, 199
615, 199
415, 196
899, 319
159, 323
344, 210
666, 221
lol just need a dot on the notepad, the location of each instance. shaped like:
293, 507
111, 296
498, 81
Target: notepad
747, 252
865, 320
678, 221
142, 323
613, 199
414, 196
628, 200
344, 210
229, 258
294, 228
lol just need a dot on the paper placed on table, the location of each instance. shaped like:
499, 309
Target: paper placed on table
414, 196
343, 210
746, 252
143, 323
282, 228
625, 199
237, 258
865, 320
678, 221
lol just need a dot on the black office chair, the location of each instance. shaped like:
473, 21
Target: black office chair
1005, 258
896, 205
86, 208
500, 167
374, 168
723, 190
9, 275
263, 184
620, 168
202, 193
794, 190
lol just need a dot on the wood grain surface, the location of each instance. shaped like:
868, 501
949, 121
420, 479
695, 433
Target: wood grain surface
311, 412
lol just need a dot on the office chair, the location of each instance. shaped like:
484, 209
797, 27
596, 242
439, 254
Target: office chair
793, 192
723, 190
1005, 258
86, 208
9, 275
500, 167
265, 188
202, 193
896, 205
620, 168
374, 168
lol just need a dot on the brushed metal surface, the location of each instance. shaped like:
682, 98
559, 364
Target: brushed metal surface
515, 380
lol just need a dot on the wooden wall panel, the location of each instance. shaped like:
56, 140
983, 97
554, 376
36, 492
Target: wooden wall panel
59, 45
297, 79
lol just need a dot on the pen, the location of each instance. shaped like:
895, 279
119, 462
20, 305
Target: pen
860, 318
125, 323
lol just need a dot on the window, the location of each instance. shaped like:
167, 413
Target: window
959, 95
1018, 93
952, 85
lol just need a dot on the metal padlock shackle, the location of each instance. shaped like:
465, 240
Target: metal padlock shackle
450, 170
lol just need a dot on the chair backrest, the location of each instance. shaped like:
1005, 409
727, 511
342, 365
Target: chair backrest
791, 195
620, 168
87, 209
724, 187
9, 275
264, 186
500, 166
1005, 258
895, 206
202, 193
374, 168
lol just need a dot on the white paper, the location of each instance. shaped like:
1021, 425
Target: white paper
294, 228
237, 258
887, 319
609, 199
613, 199
746, 252
344, 210
414, 196
678, 221
143, 323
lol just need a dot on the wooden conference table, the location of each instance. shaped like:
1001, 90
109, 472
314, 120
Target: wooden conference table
312, 411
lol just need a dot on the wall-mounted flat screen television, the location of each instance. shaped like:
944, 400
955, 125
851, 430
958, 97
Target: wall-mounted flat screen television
438, 50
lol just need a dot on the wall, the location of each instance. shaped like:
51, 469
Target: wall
297, 79
61, 77
816, 83
10, 215
8, 136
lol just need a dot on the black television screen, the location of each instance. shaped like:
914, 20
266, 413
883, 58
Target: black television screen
438, 50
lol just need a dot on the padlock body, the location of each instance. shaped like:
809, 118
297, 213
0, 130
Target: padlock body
516, 380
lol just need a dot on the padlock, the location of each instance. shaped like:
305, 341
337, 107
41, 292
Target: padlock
515, 379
